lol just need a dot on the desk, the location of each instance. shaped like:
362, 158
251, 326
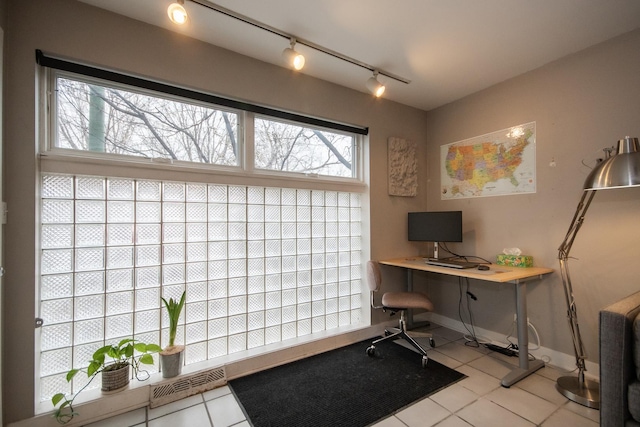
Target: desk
497, 274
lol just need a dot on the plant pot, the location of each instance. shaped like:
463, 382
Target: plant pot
171, 360
115, 377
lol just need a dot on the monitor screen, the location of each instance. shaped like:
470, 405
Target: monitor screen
435, 226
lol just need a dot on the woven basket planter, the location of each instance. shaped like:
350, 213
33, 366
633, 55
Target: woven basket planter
115, 379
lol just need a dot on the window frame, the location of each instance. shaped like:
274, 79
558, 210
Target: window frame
356, 148
48, 146
58, 159
49, 153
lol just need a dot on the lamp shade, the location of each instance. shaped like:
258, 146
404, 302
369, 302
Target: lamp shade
293, 58
375, 87
177, 12
619, 170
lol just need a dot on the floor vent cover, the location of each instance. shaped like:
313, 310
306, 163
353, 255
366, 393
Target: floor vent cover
175, 389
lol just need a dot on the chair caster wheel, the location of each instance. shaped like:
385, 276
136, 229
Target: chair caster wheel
371, 351
432, 342
424, 361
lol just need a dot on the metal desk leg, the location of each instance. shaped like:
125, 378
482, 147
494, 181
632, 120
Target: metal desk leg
409, 318
526, 367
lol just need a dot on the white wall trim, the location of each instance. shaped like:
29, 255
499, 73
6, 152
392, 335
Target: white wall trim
562, 361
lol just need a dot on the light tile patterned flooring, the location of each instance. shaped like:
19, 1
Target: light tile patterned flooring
478, 400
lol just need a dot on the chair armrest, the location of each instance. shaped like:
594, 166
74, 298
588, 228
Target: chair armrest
617, 367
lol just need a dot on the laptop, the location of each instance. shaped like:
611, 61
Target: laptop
451, 263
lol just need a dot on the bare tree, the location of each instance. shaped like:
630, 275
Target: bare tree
117, 121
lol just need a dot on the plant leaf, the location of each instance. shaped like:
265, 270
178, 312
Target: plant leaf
114, 352
101, 352
124, 341
153, 348
72, 373
147, 359
179, 309
141, 347
93, 368
56, 398
128, 350
99, 360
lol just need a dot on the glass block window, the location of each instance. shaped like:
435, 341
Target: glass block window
260, 265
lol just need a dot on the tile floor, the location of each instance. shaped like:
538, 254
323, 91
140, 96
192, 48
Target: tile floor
478, 400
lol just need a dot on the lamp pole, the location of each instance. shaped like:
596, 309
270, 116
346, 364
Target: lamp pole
618, 170
579, 389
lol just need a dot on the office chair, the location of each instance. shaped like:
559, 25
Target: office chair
397, 302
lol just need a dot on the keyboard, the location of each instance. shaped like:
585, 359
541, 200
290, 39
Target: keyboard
451, 263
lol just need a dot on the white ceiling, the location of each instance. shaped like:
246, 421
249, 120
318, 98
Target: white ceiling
447, 48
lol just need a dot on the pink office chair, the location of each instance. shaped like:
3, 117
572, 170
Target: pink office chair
397, 302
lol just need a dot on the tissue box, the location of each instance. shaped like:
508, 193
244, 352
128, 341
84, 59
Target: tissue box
515, 260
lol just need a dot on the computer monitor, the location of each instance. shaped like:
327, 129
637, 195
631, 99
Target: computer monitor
435, 227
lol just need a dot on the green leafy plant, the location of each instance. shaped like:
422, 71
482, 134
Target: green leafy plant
107, 358
173, 309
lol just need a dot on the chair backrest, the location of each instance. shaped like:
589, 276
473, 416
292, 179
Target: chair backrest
374, 278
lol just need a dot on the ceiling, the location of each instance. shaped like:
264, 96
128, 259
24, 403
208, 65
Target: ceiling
447, 48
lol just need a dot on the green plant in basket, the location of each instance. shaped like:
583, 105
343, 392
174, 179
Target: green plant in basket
108, 359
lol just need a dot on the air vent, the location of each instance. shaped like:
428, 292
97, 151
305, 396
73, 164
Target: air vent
187, 385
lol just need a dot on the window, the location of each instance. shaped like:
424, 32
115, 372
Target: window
102, 119
260, 264
108, 119
293, 148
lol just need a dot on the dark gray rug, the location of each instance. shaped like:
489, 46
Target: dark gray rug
342, 387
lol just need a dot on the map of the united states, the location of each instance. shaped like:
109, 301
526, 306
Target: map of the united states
489, 166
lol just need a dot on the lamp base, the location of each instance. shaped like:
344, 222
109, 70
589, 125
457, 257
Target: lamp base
586, 393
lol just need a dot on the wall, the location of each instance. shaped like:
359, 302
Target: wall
581, 104
78, 31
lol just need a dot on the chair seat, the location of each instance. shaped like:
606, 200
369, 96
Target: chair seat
403, 300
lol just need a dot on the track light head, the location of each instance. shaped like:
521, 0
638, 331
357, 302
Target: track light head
293, 58
177, 12
374, 86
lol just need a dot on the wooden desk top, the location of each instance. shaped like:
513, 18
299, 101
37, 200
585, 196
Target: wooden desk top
496, 273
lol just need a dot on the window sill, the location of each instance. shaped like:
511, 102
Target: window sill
93, 406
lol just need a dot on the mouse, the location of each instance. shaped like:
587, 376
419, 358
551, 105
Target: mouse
483, 267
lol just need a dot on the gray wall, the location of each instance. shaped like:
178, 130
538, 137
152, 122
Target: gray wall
78, 31
581, 104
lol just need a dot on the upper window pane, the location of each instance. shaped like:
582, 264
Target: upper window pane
102, 119
288, 147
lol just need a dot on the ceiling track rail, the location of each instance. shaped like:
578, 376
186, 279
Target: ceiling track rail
243, 18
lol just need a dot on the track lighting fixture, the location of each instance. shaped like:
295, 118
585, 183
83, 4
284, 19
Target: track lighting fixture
374, 86
293, 58
177, 12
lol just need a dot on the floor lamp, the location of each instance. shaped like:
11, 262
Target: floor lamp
618, 170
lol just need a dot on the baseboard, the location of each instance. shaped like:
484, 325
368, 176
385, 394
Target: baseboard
562, 361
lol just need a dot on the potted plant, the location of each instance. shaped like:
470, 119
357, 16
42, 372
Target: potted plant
172, 356
112, 362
